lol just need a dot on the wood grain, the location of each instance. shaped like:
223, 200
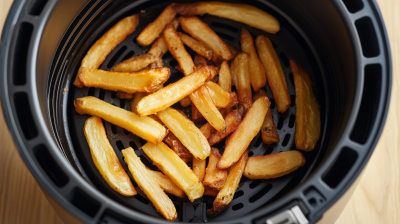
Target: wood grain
376, 199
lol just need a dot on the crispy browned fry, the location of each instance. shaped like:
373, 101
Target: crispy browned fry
105, 159
172, 93
186, 131
196, 115
154, 29
166, 184
185, 101
124, 95
149, 185
129, 82
234, 69
136, 98
103, 46
243, 13
238, 142
199, 168
233, 50
178, 148
220, 97
215, 178
273, 70
174, 167
225, 77
308, 117
243, 87
268, 130
225, 195
256, 69
143, 127
210, 191
197, 46
202, 32
135, 64
273, 165
199, 60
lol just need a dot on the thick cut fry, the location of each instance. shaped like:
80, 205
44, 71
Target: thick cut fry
143, 81
172, 93
215, 178
243, 13
210, 191
308, 117
269, 133
154, 29
185, 101
233, 50
256, 69
166, 184
273, 165
124, 95
199, 61
197, 46
177, 170
135, 64
143, 127
196, 115
246, 131
225, 195
273, 70
220, 97
103, 46
105, 159
234, 70
178, 148
149, 185
186, 131
137, 97
225, 77
202, 32
199, 168
243, 81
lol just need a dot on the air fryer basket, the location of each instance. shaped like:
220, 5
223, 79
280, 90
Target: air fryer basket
342, 44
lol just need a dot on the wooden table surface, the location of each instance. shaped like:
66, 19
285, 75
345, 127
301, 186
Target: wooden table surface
376, 199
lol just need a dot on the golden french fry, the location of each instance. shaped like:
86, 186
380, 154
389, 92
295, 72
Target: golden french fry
234, 70
149, 185
269, 133
215, 178
103, 46
143, 81
197, 46
220, 97
308, 117
207, 129
166, 184
238, 142
233, 50
202, 32
256, 69
196, 115
210, 191
124, 95
199, 61
144, 127
243, 13
172, 93
154, 29
136, 98
273, 70
105, 159
243, 87
185, 101
225, 195
135, 64
273, 165
177, 146
174, 167
225, 77
199, 168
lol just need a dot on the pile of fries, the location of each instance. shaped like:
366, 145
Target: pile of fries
172, 138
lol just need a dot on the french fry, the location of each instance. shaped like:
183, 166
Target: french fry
103, 46
149, 185
172, 93
135, 64
215, 178
207, 129
199, 168
234, 69
154, 29
233, 50
166, 184
105, 159
186, 131
220, 97
185, 101
243, 81
199, 61
129, 82
269, 133
273, 70
243, 13
124, 95
308, 117
273, 165
178, 148
196, 115
238, 142
256, 69
197, 46
225, 196
136, 98
144, 127
225, 80
202, 32
210, 191
174, 167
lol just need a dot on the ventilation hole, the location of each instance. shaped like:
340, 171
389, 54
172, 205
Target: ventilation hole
353, 5
36, 7
120, 146
251, 153
128, 55
114, 129
21, 53
284, 59
114, 59
238, 194
312, 202
286, 140
122, 103
255, 183
280, 123
126, 131
292, 120
225, 36
102, 94
260, 193
225, 26
113, 94
84, 202
268, 151
24, 115
291, 78
369, 104
142, 141
237, 206
292, 100
91, 91
133, 145
341, 167
367, 35
272, 106
147, 163
50, 166
258, 142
